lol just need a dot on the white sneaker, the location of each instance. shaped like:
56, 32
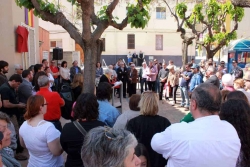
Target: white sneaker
172, 103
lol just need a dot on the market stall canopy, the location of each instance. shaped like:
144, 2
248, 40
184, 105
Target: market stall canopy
240, 45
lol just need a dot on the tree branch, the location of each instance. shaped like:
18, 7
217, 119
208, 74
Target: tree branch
61, 20
120, 26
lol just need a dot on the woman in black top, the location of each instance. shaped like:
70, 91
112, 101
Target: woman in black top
147, 124
86, 113
77, 84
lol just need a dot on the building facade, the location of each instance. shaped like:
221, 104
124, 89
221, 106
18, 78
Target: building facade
12, 16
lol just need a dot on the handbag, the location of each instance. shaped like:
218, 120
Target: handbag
80, 128
97, 80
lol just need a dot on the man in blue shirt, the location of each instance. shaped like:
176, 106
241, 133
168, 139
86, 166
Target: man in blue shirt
186, 77
196, 79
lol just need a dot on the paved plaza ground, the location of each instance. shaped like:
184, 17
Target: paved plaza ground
173, 113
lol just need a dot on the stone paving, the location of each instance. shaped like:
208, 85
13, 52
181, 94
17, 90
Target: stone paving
173, 113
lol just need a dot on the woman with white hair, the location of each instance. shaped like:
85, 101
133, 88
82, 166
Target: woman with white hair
107, 147
227, 82
106, 77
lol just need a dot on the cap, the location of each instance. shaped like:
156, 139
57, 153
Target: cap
195, 66
234, 61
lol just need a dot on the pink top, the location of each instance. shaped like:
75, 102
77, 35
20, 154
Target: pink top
229, 88
152, 73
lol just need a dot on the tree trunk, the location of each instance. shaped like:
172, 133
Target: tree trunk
184, 54
99, 50
90, 59
210, 53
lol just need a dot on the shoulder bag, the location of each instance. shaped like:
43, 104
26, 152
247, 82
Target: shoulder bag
80, 128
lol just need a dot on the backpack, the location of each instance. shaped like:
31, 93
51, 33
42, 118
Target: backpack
68, 96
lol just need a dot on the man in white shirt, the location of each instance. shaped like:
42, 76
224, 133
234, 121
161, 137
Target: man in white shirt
205, 142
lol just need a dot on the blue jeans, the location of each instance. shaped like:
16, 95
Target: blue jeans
184, 96
144, 82
157, 85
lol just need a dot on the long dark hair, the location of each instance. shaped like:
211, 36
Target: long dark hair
140, 150
237, 113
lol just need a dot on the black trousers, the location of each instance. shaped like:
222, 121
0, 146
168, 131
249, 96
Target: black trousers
161, 89
151, 85
131, 88
174, 88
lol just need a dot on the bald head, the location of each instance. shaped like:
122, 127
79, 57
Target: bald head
207, 97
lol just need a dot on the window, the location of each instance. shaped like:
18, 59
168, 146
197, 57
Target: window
54, 44
131, 41
160, 13
103, 44
159, 42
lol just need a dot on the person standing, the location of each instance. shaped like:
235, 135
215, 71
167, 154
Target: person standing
13, 109
157, 82
162, 77
132, 80
173, 79
144, 70
185, 79
152, 76
236, 72
64, 73
205, 142
74, 70
55, 102
4, 68
196, 79
211, 77
98, 73
45, 63
25, 90
147, 124
56, 75
18, 69
86, 114
40, 137
135, 58
140, 58
129, 56
122, 75
51, 78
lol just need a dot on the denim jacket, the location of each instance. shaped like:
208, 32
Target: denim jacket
195, 81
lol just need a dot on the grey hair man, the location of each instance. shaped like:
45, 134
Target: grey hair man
207, 135
211, 77
106, 147
54, 102
18, 69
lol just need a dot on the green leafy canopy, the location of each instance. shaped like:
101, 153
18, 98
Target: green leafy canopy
213, 15
44, 5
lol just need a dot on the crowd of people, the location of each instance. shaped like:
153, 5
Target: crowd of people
214, 133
